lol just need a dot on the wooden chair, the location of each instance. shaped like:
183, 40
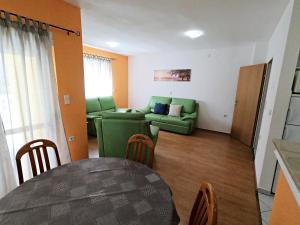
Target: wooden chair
37, 146
140, 148
204, 211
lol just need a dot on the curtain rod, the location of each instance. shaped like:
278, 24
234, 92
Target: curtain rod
98, 56
77, 33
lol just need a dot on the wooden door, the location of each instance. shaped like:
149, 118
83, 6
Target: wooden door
247, 101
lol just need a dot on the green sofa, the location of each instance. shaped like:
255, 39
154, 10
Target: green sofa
114, 130
184, 124
94, 109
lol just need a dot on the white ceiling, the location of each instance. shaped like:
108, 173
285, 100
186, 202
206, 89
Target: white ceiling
144, 26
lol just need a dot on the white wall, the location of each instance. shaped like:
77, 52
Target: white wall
213, 82
284, 49
260, 52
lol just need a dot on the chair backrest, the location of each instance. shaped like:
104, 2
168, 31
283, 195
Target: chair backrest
37, 146
114, 130
140, 148
204, 211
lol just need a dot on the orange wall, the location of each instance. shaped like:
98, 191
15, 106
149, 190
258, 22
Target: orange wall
285, 209
119, 74
68, 60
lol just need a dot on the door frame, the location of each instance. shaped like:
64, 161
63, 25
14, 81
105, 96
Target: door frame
261, 108
250, 139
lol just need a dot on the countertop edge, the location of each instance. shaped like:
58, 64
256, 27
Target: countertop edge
288, 177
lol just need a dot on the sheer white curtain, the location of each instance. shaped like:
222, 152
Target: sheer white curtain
6, 169
29, 104
97, 76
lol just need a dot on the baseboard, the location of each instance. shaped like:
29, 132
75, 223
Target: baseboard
213, 131
265, 192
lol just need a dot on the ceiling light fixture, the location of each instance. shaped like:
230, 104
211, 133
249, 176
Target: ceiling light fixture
193, 33
112, 44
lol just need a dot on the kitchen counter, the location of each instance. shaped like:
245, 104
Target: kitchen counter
286, 205
288, 156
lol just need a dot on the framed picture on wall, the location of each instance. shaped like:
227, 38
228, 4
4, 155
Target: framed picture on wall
172, 75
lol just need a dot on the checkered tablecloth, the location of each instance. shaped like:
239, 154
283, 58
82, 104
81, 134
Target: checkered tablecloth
105, 191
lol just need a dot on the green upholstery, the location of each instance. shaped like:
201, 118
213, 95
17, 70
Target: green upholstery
188, 104
176, 121
93, 114
114, 130
123, 116
94, 109
173, 128
153, 117
184, 124
108, 110
145, 110
158, 99
93, 105
107, 103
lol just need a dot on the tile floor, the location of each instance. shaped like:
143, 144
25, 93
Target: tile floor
265, 203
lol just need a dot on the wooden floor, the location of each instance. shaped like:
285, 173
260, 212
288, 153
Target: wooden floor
185, 161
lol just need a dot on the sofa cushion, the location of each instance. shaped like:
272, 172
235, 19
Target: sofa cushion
188, 105
93, 105
175, 110
153, 117
175, 121
107, 103
158, 99
160, 108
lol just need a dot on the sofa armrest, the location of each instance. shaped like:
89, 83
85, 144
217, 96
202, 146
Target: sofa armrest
123, 110
144, 110
190, 116
98, 124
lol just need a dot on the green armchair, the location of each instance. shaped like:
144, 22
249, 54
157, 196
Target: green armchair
95, 107
114, 130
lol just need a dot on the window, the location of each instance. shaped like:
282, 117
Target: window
29, 106
97, 76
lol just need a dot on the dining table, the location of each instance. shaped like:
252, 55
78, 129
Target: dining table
100, 191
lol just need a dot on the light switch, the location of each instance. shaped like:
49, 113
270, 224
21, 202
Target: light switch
67, 99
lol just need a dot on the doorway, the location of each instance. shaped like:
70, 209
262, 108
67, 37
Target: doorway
262, 105
247, 103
